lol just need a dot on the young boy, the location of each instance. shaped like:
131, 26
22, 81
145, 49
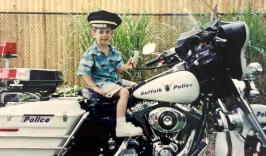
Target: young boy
100, 64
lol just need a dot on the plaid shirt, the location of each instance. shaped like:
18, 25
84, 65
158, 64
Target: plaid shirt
101, 68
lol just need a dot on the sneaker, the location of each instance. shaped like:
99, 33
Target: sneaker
127, 130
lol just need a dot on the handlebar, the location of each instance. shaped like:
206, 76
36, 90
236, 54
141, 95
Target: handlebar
152, 62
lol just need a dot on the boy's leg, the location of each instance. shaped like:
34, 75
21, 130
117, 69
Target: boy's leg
122, 103
122, 127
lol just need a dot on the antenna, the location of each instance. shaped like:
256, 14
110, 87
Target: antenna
214, 11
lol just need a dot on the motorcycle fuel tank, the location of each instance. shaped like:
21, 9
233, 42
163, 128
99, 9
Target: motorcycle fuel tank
179, 87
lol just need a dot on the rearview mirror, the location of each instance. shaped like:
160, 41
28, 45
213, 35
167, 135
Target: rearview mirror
253, 71
148, 48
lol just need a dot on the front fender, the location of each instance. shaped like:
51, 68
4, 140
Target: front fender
238, 143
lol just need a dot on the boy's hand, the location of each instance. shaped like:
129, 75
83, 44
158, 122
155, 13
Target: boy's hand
127, 66
130, 64
98, 90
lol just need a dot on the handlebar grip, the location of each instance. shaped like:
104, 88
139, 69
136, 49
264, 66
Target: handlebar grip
152, 62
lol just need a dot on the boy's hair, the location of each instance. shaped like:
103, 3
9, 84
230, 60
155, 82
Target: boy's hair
93, 29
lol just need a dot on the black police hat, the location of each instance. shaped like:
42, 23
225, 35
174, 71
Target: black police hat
104, 19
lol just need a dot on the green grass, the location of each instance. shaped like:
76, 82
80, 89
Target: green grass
132, 35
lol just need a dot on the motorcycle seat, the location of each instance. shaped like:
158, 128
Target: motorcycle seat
92, 99
98, 105
97, 98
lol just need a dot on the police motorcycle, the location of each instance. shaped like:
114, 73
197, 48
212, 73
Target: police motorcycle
32, 123
208, 83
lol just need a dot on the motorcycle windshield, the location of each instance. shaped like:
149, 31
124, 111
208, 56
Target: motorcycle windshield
193, 24
236, 34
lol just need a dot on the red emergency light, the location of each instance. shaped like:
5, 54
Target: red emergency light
8, 50
22, 74
8, 74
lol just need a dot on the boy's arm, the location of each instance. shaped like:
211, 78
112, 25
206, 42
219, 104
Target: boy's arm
92, 85
127, 66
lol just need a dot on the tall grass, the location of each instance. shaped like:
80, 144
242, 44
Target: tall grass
132, 35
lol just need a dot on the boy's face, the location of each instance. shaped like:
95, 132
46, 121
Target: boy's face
102, 35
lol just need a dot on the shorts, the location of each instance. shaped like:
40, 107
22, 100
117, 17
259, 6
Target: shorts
112, 88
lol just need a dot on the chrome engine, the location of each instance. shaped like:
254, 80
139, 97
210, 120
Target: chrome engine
167, 120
